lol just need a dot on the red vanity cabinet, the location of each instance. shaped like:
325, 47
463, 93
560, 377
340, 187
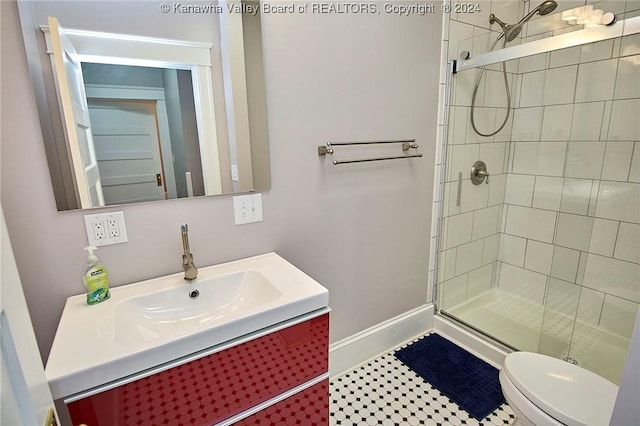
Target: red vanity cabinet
308, 407
281, 374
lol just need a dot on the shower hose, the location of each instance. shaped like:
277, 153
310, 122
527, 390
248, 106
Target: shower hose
506, 86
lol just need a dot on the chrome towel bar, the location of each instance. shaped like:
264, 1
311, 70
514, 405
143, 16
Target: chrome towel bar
406, 146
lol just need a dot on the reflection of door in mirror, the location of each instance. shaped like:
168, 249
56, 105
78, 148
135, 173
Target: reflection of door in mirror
187, 161
128, 151
73, 102
206, 51
145, 135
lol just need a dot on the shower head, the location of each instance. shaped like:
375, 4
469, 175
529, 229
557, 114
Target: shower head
543, 8
512, 31
547, 7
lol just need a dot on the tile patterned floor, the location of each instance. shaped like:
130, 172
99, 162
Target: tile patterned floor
386, 392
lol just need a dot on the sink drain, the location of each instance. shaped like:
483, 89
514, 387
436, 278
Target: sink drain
570, 360
194, 294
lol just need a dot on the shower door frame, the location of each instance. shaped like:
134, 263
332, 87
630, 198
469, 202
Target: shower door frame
581, 37
621, 28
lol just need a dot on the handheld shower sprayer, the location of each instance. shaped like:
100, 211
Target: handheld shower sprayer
509, 33
512, 31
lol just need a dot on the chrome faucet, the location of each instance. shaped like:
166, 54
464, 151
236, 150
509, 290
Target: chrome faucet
190, 270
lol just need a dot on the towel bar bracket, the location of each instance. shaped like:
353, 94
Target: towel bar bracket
406, 146
324, 150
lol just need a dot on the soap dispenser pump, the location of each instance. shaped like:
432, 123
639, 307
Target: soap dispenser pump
95, 278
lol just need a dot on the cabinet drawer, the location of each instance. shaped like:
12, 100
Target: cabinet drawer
309, 407
215, 387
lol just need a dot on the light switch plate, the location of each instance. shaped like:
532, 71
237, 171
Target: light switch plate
247, 208
234, 173
105, 228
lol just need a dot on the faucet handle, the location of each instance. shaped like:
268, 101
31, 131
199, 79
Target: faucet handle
479, 173
190, 270
185, 237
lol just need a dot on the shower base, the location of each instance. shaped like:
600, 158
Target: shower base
527, 326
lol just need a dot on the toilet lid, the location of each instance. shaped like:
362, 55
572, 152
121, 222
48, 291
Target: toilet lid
564, 391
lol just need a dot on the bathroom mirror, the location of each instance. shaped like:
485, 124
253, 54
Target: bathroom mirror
147, 100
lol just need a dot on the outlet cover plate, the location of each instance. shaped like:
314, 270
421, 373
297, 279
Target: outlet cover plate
105, 228
247, 208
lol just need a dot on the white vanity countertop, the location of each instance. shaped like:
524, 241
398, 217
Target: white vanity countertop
97, 344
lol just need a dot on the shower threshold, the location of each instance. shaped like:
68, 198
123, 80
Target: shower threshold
524, 325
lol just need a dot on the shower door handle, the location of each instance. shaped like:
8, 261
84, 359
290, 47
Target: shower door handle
479, 173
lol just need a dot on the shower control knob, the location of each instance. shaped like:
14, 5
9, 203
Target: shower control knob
479, 173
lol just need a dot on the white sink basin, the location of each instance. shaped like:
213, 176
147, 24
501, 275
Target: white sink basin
150, 323
192, 306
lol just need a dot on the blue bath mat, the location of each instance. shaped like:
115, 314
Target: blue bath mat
465, 379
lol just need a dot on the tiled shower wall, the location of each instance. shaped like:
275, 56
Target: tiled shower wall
559, 220
470, 235
572, 217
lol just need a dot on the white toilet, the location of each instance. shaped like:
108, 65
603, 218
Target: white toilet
542, 391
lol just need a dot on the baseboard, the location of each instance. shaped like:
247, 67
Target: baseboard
469, 340
354, 350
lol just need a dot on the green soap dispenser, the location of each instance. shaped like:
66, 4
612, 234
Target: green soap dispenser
95, 278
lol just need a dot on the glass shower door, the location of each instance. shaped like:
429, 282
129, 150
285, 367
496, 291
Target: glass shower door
543, 255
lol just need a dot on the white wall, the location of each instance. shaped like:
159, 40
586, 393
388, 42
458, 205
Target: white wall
24, 392
361, 230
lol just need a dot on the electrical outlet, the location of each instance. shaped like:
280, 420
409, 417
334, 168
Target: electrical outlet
234, 173
98, 230
105, 228
113, 227
247, 208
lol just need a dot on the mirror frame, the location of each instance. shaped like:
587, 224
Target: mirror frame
123, 49
250, 145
